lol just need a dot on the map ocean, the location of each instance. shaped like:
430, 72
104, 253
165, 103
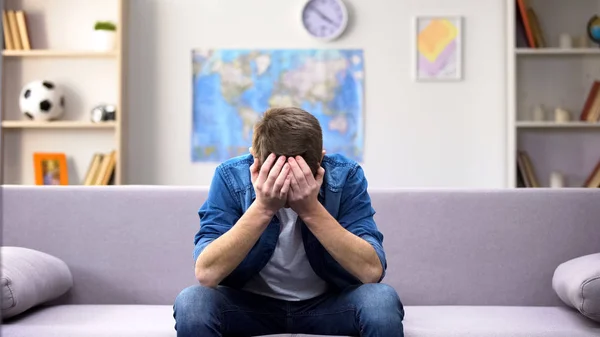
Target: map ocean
232, 88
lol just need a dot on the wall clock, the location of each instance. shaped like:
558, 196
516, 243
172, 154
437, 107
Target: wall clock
325, 20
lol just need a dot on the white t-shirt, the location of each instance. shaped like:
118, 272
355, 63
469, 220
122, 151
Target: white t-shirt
288, 274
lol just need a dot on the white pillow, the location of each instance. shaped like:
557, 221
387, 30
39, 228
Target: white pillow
577, 283
30, 278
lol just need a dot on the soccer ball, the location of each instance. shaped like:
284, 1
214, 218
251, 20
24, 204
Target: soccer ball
41, 101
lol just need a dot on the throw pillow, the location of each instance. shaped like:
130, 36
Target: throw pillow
577, 283
30, 278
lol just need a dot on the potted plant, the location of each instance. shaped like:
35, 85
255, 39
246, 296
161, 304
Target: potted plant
105, 35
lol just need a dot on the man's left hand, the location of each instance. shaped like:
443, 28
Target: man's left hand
304, 187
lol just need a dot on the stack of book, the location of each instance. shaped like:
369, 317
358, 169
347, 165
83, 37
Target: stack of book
526, 176
529, 30
101, 170
15, 30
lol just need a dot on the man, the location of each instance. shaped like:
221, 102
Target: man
287, 243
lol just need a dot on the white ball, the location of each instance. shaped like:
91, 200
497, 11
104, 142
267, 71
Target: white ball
42, 101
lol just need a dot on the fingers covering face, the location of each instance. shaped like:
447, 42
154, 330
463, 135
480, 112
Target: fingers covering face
265, 168
281, 178
304, 167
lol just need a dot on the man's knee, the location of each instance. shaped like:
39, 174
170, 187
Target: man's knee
380, 301
196, 306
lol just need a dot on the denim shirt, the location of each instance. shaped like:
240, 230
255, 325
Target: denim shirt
343, 194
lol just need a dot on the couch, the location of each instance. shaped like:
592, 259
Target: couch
471, 263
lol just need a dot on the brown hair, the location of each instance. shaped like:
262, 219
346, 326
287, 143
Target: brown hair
289, 132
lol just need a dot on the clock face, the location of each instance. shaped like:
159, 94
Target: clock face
324, 19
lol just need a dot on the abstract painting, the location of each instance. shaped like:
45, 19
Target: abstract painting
438, 48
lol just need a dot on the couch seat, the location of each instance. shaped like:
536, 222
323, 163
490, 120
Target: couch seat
425, 321
94, 321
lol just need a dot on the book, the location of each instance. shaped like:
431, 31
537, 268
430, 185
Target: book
93, 169
520, 176
106, 168
592, 102
522, 7
522, 171
14, 30
521, 36
8, 43
538, 34
593, 179
108, 173
20, 15
529, 173
101, 169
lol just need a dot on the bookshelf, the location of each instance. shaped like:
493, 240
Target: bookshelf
62, 51
57, 125
556, 125
557, 51
58, 53
546, 77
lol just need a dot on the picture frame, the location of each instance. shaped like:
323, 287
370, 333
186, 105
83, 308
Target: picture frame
50, 168
437, 48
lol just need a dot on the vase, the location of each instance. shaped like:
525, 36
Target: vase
557, 180
561, 115
103, 40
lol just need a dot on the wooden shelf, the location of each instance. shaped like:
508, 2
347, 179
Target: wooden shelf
58, 53
96, 77
57, 125
554, 125
557, 51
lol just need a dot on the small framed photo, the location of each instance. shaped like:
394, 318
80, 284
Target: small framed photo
50, 168
437, 50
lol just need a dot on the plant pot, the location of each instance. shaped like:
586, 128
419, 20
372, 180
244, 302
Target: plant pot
104, 40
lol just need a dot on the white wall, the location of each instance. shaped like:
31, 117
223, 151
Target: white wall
417, 134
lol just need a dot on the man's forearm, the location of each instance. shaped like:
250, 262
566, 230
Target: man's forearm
356, 255
224, 254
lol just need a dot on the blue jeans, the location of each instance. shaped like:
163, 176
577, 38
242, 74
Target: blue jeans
369, 310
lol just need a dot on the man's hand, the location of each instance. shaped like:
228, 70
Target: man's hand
304, 188
271, 183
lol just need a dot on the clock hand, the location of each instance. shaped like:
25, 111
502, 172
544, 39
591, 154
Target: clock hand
323, 16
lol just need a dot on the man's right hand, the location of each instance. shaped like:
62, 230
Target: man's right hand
271, 183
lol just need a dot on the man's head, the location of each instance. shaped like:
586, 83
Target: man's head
289, 132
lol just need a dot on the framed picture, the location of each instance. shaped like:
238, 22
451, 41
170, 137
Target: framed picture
50, 169
437, 50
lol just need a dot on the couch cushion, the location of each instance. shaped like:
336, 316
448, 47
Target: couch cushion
30, 278
426, 321
93, 321
577, 283
477, 321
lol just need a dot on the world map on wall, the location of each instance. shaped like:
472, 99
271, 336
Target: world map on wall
233, 88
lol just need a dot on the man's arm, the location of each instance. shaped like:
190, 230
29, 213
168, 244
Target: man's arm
356, 255
354, 252
225, 252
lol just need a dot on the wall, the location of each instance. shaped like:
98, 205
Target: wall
417, 134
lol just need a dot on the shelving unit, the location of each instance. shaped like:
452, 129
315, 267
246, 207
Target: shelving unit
557, 51
552, 77
58, 53
62, 52
555, 125
57, 125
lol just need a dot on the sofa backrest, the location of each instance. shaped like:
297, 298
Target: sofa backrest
133, 244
